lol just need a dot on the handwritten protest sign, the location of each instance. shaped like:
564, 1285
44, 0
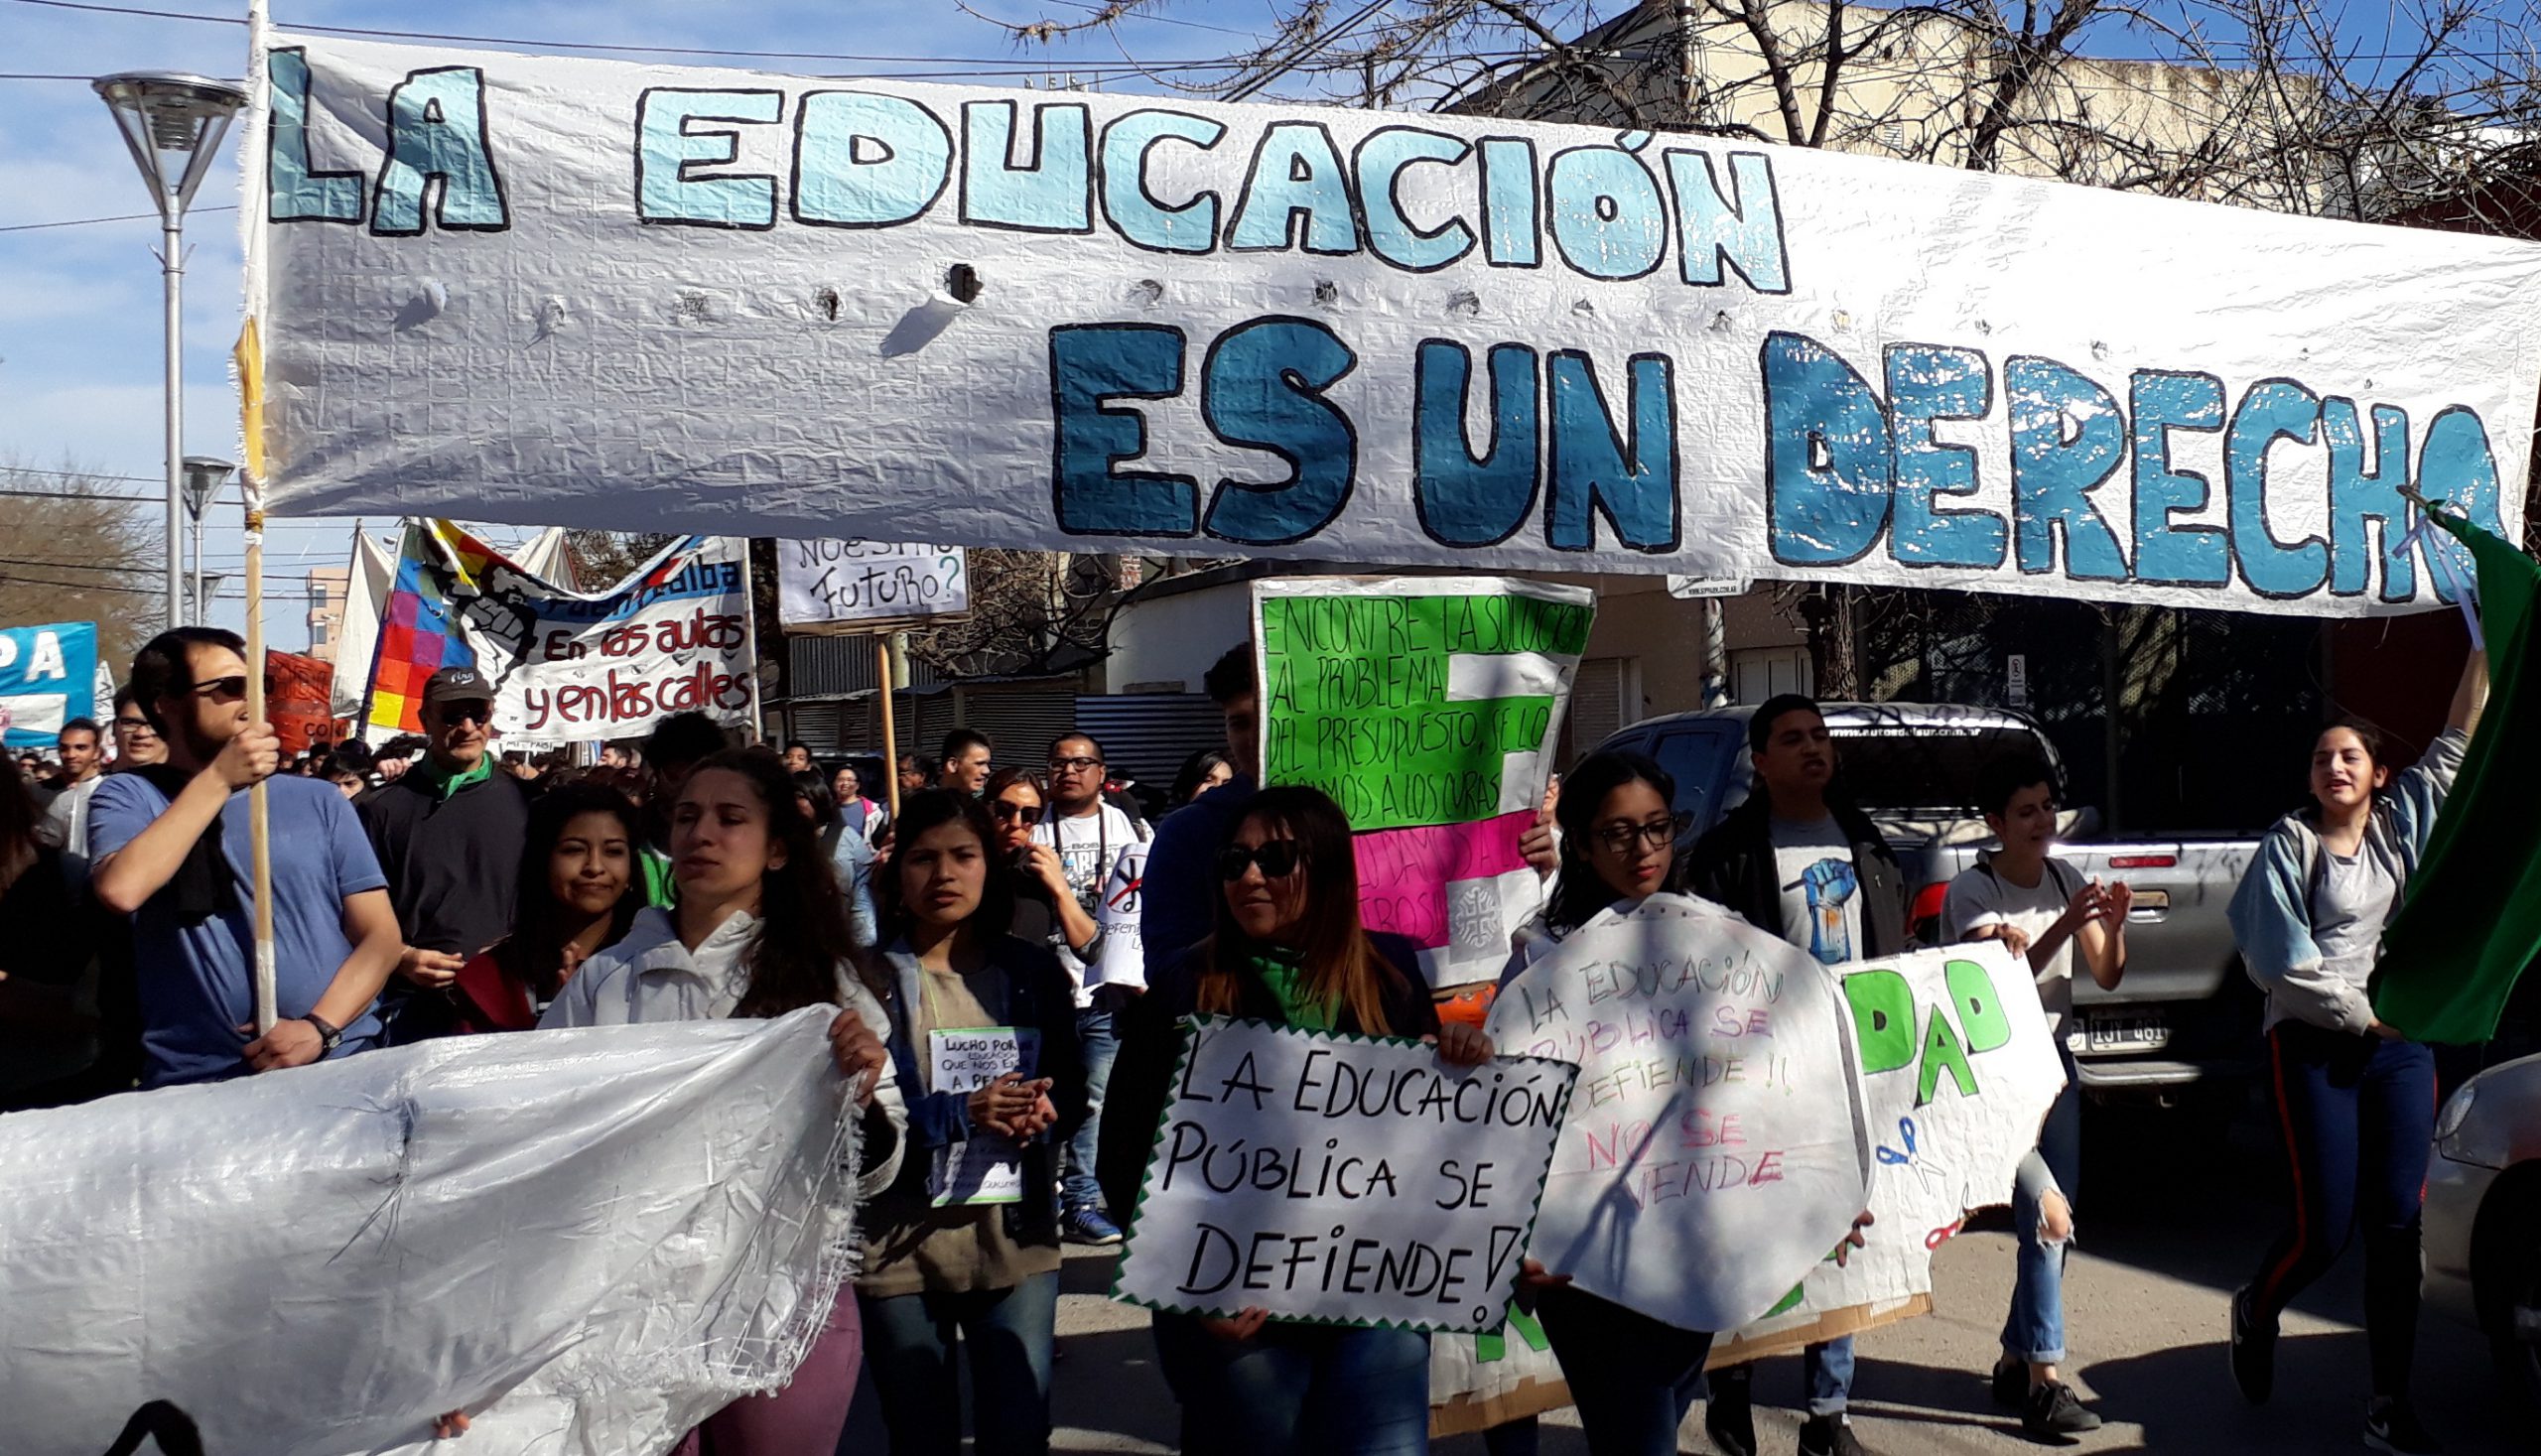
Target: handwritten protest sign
1341, 1180
569, 666
1957, 1073
1714, 1151
1428, 708
647, 296
868, 586
1123, 957
649, 1222
964, 1059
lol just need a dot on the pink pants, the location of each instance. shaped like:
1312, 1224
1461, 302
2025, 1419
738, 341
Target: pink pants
808, 1415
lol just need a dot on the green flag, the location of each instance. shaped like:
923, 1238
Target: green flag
2472, 919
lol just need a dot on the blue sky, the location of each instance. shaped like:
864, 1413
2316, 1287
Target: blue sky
79, 307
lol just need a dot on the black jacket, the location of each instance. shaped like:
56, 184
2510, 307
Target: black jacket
1733, 867
452, 863
1151, 1031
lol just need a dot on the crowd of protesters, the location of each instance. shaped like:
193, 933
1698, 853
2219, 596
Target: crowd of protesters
439, 886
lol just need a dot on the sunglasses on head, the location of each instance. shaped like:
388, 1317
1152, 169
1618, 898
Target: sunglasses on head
222, 690
1279, 858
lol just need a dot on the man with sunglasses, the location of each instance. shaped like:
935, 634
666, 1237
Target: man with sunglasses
1089, 835
173, 849
448, 833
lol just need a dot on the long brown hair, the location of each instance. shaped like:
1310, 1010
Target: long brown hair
1340, 964
803, 936
535, 950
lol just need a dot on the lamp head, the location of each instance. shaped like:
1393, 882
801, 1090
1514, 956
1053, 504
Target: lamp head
173, 124
204, 476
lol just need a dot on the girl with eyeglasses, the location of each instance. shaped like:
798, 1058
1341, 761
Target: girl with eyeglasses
975, 1275
1632, 1377
1286, 949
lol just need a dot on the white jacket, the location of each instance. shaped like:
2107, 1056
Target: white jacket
650, 977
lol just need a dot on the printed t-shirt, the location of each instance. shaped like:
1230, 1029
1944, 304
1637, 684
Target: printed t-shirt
1821, 891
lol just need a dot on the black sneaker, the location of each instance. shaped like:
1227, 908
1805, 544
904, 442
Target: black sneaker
2392, 1425
1829, 1435
1730, 1417
2011, 1383
2253, 1351
2053, 1411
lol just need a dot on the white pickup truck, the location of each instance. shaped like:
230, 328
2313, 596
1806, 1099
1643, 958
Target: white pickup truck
2183, 1016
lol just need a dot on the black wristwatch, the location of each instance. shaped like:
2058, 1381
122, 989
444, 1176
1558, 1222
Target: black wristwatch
329, 1037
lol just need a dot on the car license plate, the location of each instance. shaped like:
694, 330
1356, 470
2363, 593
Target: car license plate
2123, 1032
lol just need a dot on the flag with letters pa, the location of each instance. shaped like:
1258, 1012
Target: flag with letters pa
2472, 920
1430, 710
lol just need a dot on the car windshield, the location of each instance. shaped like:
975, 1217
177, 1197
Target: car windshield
1930, 771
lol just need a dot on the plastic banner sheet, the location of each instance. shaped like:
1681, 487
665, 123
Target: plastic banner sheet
587, 1240
48, 677
1714, 1151
554, 290
1341, 1180
1429, 709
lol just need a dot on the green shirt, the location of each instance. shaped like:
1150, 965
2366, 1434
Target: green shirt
446, 783
660, 890
1287, 981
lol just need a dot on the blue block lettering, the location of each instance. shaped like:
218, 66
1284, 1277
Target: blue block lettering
1927, 383
1464, 499
1051, 190
1091, 365
1134, 209
2068, 435
1262, 388
2359, 495
864, 160
2457, 466
1830, 464
2272, 409
1607, 219
1297, 176
1596, 472
2166, 552
1740, 231
1383, 158
1510, 215
670, 146
438, 144
297, 191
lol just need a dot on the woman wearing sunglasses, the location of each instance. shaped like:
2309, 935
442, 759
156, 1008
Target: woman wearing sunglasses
1046, 911
1286, 949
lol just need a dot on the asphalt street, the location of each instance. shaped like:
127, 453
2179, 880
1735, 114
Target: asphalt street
2175, 1213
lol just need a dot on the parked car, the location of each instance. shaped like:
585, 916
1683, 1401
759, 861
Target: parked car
2484, 1216
2183, 1016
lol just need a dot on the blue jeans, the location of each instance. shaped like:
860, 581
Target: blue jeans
1102, 1046
1295, 1388
1828, 1371
2358, 1114
1632, 1377
909, 1345
2034, 1331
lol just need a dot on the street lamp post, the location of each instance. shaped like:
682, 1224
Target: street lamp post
204, 476
173, 123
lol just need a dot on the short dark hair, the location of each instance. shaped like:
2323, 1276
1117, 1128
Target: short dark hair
683, 739
913, 760
2004, 777
1075, 735
962, 741
1231, 676
793, 744
930, 809
86, 726
126, 698
355, 753
162, 669
1760, 729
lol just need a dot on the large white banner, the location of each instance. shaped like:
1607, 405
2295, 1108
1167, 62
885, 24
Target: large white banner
1714, 1151
1341, 1180
868, 586
605, 294
1958, 1072
588, 1241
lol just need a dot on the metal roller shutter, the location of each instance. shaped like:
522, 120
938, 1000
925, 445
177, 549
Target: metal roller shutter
1021, 722
1146, 735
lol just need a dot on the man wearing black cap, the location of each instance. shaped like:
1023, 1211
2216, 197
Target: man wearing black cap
448, 833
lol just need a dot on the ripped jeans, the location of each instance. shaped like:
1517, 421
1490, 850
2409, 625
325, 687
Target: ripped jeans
2035, 1329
